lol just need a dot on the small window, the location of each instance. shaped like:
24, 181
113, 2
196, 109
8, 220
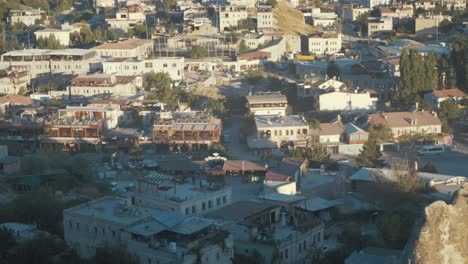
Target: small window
224, 199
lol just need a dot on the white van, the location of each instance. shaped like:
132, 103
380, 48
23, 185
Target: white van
431, 150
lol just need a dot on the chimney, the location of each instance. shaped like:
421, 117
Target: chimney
417, 106
434, 113
280, 120
269, 120
338, 118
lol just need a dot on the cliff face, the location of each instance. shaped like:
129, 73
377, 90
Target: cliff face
443, 235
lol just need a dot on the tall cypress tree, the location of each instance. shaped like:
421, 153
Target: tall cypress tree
430, 72
370, 155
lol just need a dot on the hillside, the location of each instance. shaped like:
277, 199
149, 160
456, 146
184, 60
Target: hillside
290, 20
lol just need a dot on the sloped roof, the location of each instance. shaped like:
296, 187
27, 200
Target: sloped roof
448, 93
351, 128
403, 119
132, 43
328, 129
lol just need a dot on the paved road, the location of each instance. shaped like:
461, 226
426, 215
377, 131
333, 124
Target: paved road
236, 148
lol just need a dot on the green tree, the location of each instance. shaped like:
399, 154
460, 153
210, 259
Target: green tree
380, 132
247, 24
361, 23
272, 3
459, 58
136, 153
198, 52
243, 48
430, 72
370, 155
405, 175
448, 114
333, 70
113, 255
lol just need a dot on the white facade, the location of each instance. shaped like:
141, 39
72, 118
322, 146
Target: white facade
265, 19
125, 19
28, 17
110, 113
350, 13
281, 129
376, 25
327, 43
115, 221
267, 104
376, 3
104, 3
247, 3
173, 66
39, 62
229, 16
349, 101
61, 34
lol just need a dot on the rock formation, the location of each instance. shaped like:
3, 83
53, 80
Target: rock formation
442, 237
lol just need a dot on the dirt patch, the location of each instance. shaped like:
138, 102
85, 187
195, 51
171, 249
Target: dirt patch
290, 20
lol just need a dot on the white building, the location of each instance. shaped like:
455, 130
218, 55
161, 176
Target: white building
193, 198
28, 17
130, 48
265, 19
229, 16
351, 12
104, 3
402, 123
267, 104
11, 82
345, 100
152, 236
61, 34
57, 64
110, 113
323, 19
246, 3
127, 67
376, 3
126, 18
378, 25
91, 85
324, 43
279, 132
438, 96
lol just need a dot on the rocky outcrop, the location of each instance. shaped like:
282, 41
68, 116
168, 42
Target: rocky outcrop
442, 236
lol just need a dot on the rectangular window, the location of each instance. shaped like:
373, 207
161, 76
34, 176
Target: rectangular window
203, 206
224, 199
209, 204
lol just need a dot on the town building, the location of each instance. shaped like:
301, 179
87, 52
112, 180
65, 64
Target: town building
267, 104
378, 25
429, 25
407, 123
13, 82
351, 12
22, 231
104, 3
229, 17
190, 197
28, 17
287, 170
314, 85
180, 131
265, 19
65, 134
374, 255
174, 66
323, 19
276, 131
438, 96
424, 5
51, 64
109, 113
130, 48
152, 236
61, 34
375, 3
323, 43
347, 100
247, 3
253, 41
95, 84
126, 18
278, 235
454, 4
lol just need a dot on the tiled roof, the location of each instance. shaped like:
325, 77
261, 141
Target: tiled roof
403, 119
18, 99
448, 93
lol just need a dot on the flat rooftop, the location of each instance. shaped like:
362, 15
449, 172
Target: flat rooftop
280, 121
267, 98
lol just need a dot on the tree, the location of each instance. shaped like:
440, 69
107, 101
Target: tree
272, 3
243, 48
405, 175
459, 58
380, 132
333, 70
428, 167
430, 72
247, 24
136, 153
448, 114
361, 23
48, 43
370, 155
113, 255
198, 52
156, 81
